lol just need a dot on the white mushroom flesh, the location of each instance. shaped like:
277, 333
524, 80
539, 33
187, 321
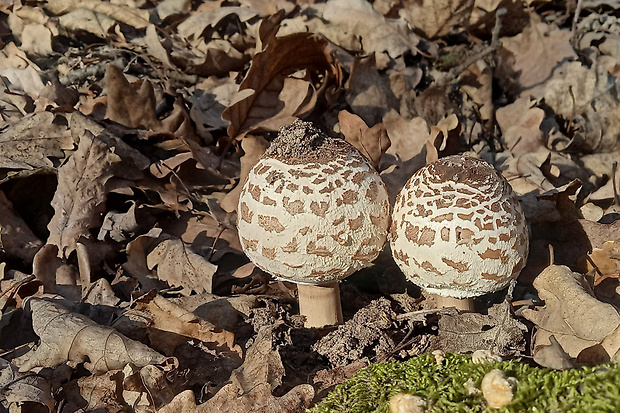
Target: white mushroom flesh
312, 214
458, 229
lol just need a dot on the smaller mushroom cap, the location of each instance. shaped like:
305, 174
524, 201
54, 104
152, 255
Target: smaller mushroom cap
458, 229
313, 210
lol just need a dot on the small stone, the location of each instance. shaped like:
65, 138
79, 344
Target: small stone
407, 403
485, 356
498, 389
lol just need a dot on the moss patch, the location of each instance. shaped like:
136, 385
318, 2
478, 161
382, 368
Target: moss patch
446, 387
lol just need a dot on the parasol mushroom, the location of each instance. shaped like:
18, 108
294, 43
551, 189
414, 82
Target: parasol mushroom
458, 230
313, 211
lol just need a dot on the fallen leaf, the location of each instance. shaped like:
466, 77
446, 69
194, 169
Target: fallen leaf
16, 238
176, 264
71, 337
132, 105
285, 81
498, 331
563, 291
369, 93
254, 147
529, 58
552, 356
411, 146
88, 21
134, 17
477, 82
18, 389
168, 320
371, 142
194, 26
439, 18
377, 34
80, 193
520, 124
34, 142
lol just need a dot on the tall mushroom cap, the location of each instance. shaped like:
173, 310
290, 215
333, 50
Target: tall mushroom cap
458, 229
312, 210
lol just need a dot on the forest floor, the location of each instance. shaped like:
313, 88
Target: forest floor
128, 127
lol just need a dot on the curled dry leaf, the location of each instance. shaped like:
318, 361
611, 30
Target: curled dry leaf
17, 389
377, 34
563, 291
498, 331
530, 57
80, 193
131, 16
71, 337
411, 147
178, 265
368, 92
371, 142
254, 147
253, 382
285, 81
132, 105
520, 124
32, 141
170, 318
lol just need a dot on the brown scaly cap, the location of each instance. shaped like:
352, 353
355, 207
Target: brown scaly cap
302, 142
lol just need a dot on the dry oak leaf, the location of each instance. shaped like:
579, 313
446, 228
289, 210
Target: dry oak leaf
477, 82
412, 147
71, 337
179, 266
530, 57
468, 332
368, 92
254, 147
231, 399
131, 105
181, 325
606, 259
31, 142
285, 81
253, 382
520, 124
137, 18
564, 292
436, 18
207, 234
194, 26
371, 142
377, 34
88, 21
17, 389
80, 193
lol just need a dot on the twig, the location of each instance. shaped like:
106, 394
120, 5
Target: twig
495, 45
614, 182
574, 26
415, 314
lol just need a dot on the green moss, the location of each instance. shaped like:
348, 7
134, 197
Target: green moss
539, 390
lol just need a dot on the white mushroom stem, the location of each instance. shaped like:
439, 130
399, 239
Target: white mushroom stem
320, 304
461, 304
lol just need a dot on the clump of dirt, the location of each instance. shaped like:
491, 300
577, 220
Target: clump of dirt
368, 334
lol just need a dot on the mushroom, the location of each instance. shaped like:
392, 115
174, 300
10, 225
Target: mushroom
458, 230
313, 211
